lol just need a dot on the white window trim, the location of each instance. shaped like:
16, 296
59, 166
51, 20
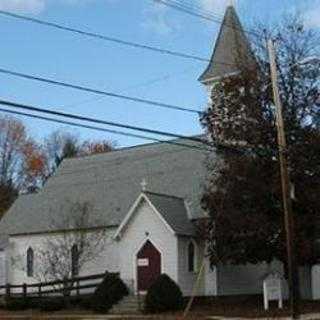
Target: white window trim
30, 274
195, 257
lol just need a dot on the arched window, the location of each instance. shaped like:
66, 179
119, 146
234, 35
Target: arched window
30, 257
192, 257
75, 260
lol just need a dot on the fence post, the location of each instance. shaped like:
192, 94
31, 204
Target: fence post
39, 291
78, 290
24, 290
8, 293
65, 287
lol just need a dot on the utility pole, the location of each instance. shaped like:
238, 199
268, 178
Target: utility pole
286, 186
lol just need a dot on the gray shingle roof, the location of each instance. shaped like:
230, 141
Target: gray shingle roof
232, 49
174, 211
111, 182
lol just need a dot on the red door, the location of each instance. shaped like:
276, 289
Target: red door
148, 266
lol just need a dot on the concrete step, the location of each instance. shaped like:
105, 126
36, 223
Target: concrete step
125, 307
130, 299
125, 312
128, 305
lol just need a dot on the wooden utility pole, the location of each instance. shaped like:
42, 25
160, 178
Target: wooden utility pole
286, 186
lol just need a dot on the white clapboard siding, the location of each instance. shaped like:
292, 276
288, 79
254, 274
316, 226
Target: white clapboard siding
146, 225
3, 275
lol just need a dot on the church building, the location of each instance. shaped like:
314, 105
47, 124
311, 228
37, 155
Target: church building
148, 200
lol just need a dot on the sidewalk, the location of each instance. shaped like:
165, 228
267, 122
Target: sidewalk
307, 316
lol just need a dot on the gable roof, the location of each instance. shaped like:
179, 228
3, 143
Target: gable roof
172, 211
231, 49
111, 182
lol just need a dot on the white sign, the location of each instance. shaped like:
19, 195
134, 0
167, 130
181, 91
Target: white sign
143, 262
272, 290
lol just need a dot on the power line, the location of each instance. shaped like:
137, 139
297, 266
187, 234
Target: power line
99, 121
198, 8
100, 92
185, 9
213, 144
179, 6
117, 132
108, 38
103, 37
138, 85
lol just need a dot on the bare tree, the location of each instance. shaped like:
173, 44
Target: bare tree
74, 240
60, 145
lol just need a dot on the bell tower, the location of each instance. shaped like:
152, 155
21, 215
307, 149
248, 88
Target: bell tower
231, 54
231, 66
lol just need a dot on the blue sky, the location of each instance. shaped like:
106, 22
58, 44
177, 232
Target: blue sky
34, 49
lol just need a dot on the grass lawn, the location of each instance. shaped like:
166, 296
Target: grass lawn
239, 306
81, 315
248, 307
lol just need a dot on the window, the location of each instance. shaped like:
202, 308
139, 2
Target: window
30, 262
75, 260
191, 257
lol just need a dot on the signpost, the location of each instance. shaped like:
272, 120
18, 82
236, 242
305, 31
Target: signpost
272, 290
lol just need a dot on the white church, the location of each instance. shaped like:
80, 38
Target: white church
147, 198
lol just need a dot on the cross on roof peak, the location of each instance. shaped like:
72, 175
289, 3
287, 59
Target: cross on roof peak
144, 184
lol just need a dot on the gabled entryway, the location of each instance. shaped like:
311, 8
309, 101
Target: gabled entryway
148, 266
149, 238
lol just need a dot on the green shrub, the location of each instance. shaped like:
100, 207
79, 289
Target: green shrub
86, 303
54, 304
33, 303
79, 300
110, 291
17, 304
163, 295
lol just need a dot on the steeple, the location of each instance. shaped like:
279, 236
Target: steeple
232, 50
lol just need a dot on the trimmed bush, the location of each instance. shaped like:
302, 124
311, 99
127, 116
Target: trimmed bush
163, 295
110, 291
86, 303
52, 304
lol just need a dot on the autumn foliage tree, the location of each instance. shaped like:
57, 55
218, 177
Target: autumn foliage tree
26, 164
243, 195
22, 161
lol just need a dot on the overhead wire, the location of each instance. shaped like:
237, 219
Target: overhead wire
85, 126
109, 38
175, 4
210, 145
99, 91
197, 7
100, 121
139, 85
179, 6
103, 37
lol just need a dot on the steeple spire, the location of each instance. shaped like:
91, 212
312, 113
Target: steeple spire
232, 49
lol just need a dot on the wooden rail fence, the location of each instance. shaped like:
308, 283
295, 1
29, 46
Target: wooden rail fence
72, 286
